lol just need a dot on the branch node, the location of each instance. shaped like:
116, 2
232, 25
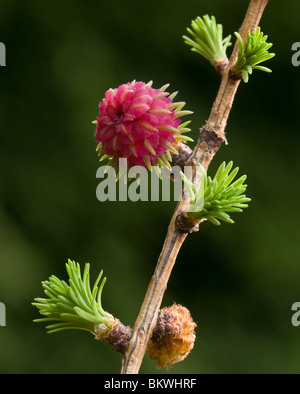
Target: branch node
118, 337
211, 139
234, 76
220, 67
184, 224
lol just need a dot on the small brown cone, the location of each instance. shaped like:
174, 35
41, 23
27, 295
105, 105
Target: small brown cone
174, 336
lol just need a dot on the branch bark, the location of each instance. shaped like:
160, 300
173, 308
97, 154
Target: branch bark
212, 135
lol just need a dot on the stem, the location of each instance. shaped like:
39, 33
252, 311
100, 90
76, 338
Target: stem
147, 317
212, 135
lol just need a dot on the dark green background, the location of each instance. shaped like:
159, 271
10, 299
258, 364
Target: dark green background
239, 281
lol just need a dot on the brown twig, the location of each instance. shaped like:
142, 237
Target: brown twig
212, 135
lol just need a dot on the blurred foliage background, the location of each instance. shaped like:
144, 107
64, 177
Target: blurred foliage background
239, 281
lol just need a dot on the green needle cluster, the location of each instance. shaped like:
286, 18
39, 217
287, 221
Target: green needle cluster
73, 306
218, 197
207, 39
251, 53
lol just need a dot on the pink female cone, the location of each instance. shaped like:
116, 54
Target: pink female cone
141, 124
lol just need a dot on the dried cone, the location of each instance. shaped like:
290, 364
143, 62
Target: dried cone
174, 336
141, 124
